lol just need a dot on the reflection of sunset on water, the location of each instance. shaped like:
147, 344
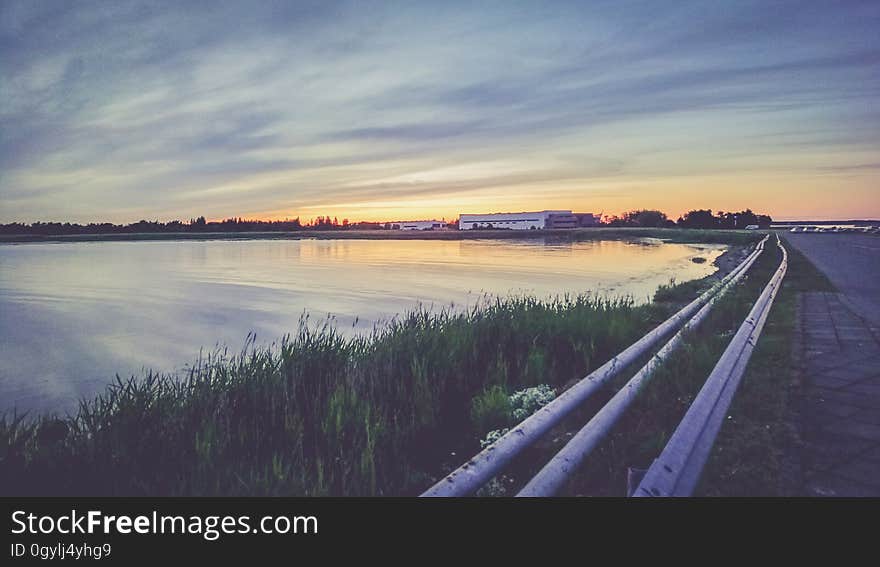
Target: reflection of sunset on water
111, 307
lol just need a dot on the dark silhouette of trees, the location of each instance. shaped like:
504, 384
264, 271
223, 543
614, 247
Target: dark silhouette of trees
640, 218
703, 218
326, 223
200, 224
700, 218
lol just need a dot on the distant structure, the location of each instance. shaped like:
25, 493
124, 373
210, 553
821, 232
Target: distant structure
418, 225
366, 225
538, 220
588, 219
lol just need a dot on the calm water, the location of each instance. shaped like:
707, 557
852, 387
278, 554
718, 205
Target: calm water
73, 315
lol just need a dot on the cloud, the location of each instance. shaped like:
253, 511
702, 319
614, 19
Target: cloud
145, 109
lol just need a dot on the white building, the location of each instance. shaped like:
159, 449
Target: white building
538, 220
418, 225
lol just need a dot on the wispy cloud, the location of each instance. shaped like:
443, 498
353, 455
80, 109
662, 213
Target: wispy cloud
136, 109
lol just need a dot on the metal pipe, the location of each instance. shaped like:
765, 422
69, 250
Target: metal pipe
677, 470
469, 477
557, 471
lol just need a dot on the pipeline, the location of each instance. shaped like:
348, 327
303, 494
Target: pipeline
677, 470
469, 477
556, 472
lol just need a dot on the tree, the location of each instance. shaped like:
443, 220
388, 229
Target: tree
729, 220
700, 218
641, 218
739, 220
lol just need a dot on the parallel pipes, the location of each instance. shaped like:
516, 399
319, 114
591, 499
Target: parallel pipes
677, 470
469, 477
558, 470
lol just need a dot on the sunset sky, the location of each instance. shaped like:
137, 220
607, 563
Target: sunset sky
123, 110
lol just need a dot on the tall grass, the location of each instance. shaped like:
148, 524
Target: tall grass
319, 413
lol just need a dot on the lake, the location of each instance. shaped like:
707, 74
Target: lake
73, 315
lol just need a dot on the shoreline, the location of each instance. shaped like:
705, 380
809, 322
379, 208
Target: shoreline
562, 235
728, 260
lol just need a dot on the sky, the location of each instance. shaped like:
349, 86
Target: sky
125, 110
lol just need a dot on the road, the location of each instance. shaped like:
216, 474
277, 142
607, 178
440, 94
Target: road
839, 362
851, 262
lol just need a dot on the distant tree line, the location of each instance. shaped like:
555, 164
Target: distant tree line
641, 218
698, 218
199, 224
701, 218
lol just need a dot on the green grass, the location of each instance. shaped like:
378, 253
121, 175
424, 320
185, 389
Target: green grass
320, 413
680, 293
491, 409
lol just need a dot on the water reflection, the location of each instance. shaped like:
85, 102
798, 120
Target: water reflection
73, 315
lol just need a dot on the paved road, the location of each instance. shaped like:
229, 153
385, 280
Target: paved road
839, 421
852, 262
839, 336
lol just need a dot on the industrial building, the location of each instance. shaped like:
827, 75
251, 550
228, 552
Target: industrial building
538, 220
418, 225
588, 219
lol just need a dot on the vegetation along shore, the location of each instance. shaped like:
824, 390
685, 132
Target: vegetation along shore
695, 236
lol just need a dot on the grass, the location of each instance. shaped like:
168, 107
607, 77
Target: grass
680, 292
491, 409
320, 413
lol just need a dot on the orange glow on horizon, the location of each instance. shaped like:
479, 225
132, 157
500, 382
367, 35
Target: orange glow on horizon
807, 199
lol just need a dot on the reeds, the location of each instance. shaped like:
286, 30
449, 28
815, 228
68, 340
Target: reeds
319, 413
